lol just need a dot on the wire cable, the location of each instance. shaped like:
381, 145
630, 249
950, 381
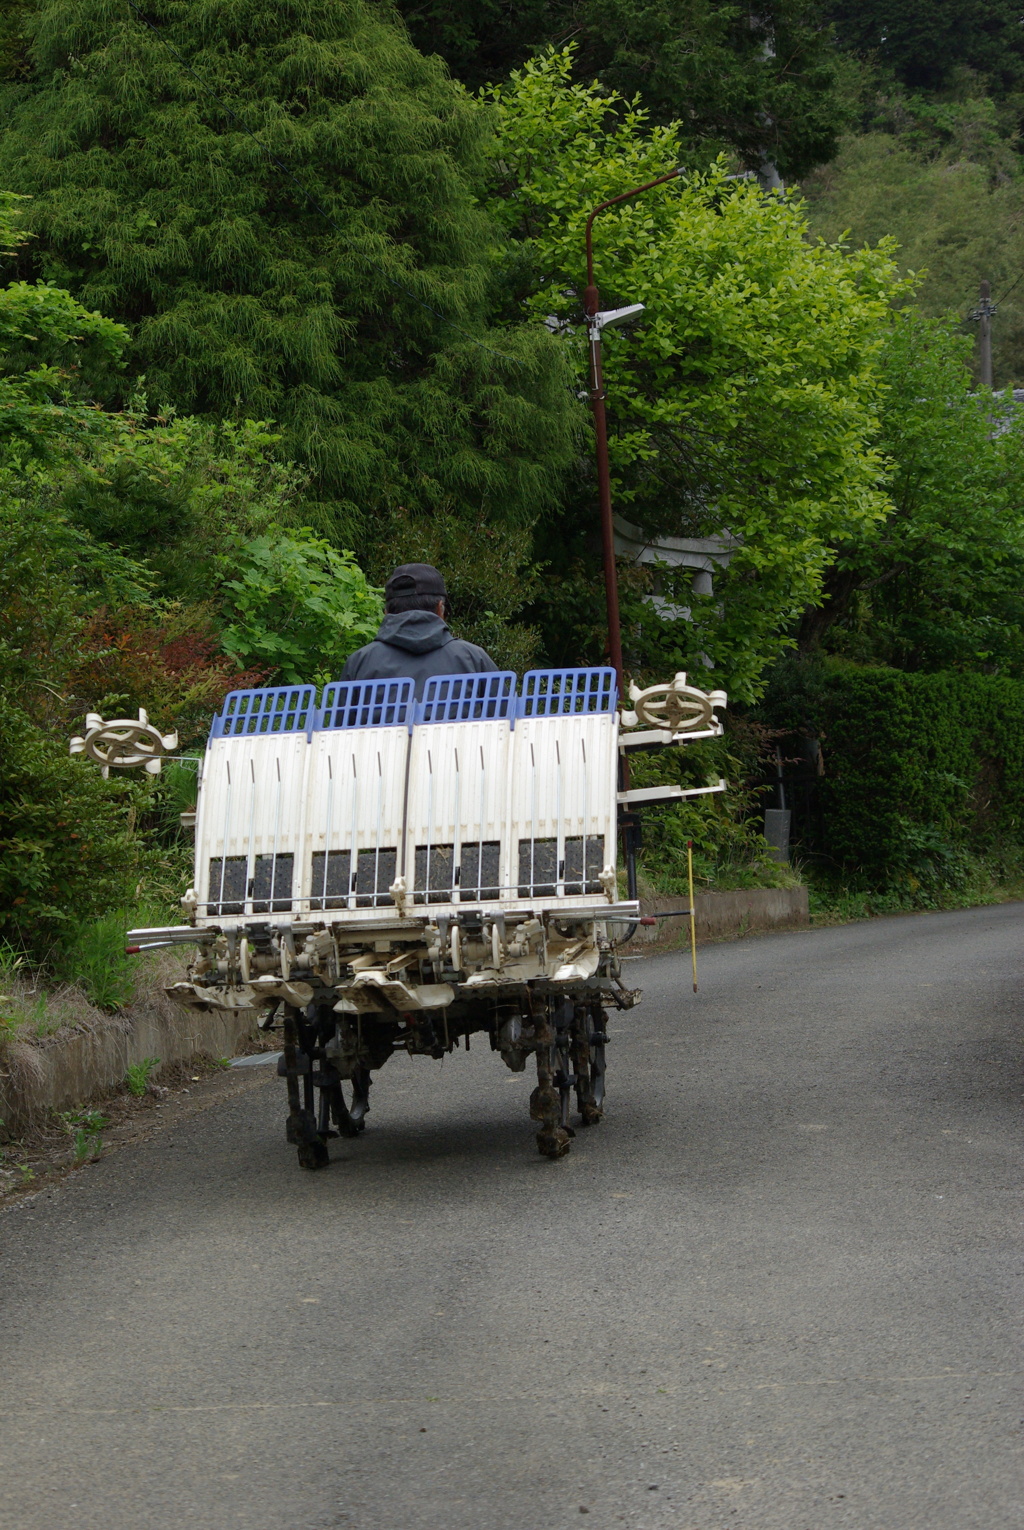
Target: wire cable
1004, 295
973, 316
313, 202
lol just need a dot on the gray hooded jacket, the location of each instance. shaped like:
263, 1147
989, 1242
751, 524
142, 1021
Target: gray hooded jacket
418, 644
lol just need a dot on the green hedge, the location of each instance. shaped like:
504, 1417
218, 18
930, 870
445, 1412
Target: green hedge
919, 769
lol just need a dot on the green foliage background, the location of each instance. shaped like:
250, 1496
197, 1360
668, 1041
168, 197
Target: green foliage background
921, 771
744, 402
758, 83
939, 583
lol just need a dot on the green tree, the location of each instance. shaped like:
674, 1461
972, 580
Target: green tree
102, 514
745, 402
169, 491
178, 492
55, 357
67, 850
334, 273
940, 583
297, 607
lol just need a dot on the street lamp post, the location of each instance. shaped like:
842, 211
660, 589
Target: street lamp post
596, 323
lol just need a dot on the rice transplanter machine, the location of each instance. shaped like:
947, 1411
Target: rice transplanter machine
376, 873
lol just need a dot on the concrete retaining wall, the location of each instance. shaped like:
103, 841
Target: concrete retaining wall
68, 1070
728, 915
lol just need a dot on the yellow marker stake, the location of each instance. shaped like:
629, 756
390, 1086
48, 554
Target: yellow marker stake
693, 912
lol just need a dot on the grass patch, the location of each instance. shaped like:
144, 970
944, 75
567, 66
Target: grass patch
92, 956
12, 961
85, 1128
978, 880
138, 1075
668, 878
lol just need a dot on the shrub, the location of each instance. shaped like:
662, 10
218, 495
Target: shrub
67, 852
297, 607
167, 660
920, 770
729, 849
137, 1077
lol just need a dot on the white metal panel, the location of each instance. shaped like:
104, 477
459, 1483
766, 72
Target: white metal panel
249, 822
467, 810
355, 803
456, 841
563, 785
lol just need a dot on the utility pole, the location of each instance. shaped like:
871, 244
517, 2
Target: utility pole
983, 313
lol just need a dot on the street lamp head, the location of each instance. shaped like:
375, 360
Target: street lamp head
611, 318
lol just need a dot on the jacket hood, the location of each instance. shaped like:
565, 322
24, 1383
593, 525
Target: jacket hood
415, 631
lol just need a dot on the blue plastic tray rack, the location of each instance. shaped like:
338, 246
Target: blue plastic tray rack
468, 698
562, 692
278, 709
366, 704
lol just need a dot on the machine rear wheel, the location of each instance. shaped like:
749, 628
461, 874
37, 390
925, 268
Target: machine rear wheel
349, 1116
563, 1079
588, 1049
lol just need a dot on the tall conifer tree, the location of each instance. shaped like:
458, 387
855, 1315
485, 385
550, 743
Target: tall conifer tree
332, 272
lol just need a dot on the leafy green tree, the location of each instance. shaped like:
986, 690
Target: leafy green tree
756, 80
54, 357
333, 273
745, 402
297, 607
168, 491
102, 514
940, 583
67, 850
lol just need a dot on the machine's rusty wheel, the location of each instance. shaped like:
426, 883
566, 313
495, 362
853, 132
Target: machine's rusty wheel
589, 1037
549, 1102
303, 1129
349, 1116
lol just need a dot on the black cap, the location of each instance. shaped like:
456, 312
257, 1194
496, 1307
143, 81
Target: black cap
416, 579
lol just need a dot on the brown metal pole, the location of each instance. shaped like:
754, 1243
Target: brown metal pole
604, 491
592, 304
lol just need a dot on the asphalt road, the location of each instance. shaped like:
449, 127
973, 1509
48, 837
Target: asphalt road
780, 1286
